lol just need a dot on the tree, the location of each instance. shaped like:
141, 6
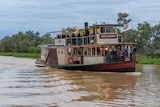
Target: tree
144, 35
47, 39
130, 36
24, 42
122, 18
156, 36
6, 44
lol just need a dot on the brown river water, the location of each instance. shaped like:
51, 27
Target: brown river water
22, 84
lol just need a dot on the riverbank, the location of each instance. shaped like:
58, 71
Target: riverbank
24, 55
155, 61
143, 59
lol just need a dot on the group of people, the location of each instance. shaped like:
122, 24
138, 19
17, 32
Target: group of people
115, 54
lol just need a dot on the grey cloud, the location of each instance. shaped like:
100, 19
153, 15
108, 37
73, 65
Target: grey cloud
49, 15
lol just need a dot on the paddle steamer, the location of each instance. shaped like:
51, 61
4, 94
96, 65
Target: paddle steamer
94, 48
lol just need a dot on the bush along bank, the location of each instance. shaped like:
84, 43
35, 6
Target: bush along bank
24, 55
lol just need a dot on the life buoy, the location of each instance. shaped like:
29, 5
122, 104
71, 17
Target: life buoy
70, 60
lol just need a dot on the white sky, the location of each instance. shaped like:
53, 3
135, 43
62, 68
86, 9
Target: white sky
52, 15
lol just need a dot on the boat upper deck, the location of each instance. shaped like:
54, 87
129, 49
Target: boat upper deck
95, 34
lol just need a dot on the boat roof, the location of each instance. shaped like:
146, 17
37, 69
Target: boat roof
104, 25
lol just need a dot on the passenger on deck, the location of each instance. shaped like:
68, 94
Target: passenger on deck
114, 54
127, 53
108, 57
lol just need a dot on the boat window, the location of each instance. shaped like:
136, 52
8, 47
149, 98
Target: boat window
86, 39
68, 42
97, 30
88, 42
114, 29
73, 41
63, 36
102, 29
74, 51
89, 51
99, 51
111, 30
108, 29
94, 31
93, 52
79, 52
69, 50
85, 52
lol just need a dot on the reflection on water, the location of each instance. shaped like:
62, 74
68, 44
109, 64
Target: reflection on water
23, 84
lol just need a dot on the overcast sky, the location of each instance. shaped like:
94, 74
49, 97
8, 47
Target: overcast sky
52, 15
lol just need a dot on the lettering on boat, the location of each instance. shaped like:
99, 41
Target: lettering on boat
108, 36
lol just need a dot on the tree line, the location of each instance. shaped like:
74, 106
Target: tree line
24, 42
146, 36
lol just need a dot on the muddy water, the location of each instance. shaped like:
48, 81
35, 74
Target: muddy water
24, 85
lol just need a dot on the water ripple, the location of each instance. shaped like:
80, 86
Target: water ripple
24, 85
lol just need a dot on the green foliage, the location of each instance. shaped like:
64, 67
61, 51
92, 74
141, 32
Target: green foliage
144, 34
122, 18
156, 36
26, 55
148, 61
6, 44
153, 55
24, 42
34, 50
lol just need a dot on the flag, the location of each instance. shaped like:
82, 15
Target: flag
126, 27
